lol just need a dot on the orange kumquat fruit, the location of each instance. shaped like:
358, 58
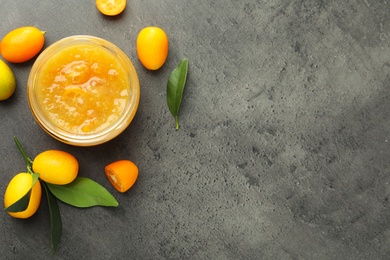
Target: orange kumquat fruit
56, 167
17, 188
22, 44
7, 81
122, 174
152, 47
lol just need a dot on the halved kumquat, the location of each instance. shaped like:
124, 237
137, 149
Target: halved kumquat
122, 174
111, 7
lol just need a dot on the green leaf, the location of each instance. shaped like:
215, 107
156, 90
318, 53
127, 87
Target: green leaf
83, 193
175, 88
22, 203
55, 219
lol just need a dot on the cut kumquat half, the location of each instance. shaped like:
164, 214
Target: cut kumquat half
111, 7
122, 174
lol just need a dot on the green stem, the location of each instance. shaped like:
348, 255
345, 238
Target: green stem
25, 156
177, 122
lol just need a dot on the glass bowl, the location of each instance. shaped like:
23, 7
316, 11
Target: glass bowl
83, 90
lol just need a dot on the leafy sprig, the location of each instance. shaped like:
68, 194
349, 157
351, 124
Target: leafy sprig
82, 192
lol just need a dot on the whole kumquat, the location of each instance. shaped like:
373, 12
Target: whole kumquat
122, 174
7, 81
56, 167
111, 7
152, 47
22, 44
17, 188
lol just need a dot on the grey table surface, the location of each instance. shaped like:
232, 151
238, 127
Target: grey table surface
283, 149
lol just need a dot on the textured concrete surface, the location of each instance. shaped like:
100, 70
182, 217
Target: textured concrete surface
283, 151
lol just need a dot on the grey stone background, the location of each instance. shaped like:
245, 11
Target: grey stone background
283, 150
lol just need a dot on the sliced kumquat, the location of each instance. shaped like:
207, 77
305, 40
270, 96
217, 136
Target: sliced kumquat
122, 174
111, 7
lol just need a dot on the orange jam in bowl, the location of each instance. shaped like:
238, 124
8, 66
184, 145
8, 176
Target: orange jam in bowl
83, 90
